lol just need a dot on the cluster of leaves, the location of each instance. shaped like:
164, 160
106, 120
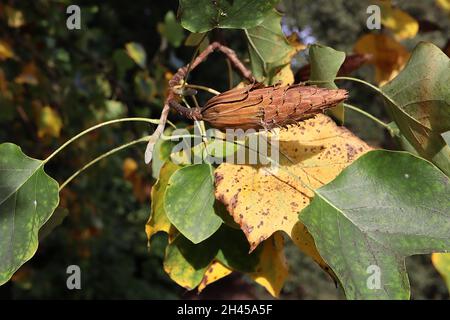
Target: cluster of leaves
383, 207
344, 204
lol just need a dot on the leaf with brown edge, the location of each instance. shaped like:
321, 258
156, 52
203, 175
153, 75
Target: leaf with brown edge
158, 220
418, 100
263, 201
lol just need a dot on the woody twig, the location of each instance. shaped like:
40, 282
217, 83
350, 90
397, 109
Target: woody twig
178, 80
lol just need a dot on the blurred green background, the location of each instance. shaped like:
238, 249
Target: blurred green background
85, 76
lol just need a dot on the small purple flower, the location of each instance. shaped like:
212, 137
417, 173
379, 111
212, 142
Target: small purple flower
305, 34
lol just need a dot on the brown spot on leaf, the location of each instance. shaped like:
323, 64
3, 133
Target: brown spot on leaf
217, 178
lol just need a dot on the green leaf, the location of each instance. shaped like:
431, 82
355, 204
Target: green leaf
122, 62
28, 197
145, 86
446, 137
382, 208
269, 49
420, 103
137, 52
171, 30
113, 110
197, 39
204, 15
325, 63
189, 202
186, 262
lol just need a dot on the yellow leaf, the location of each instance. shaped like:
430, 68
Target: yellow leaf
6, 52
272, 268
263, 201
137, 52
444, 4
49, 123
401, 23
215, 271
130, 173
129, 167
270, 272
295, 42
29, 75
158, 220
387, 55
285, 76
15, 17
305, 242
441, 262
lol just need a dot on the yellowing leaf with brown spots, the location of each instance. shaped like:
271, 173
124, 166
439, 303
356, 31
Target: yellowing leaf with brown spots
215, 271
272, 270
263, 200
387, 55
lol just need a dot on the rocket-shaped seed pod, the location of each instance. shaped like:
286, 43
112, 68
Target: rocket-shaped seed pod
259, 107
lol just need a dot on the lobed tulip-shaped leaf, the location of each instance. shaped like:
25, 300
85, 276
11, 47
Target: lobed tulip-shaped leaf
204, 15
419, 102
325, 64
28, 197
382, 208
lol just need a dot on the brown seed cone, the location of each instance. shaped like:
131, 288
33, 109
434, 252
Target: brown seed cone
256, 107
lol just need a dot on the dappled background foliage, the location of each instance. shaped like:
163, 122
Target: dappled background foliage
55, 83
